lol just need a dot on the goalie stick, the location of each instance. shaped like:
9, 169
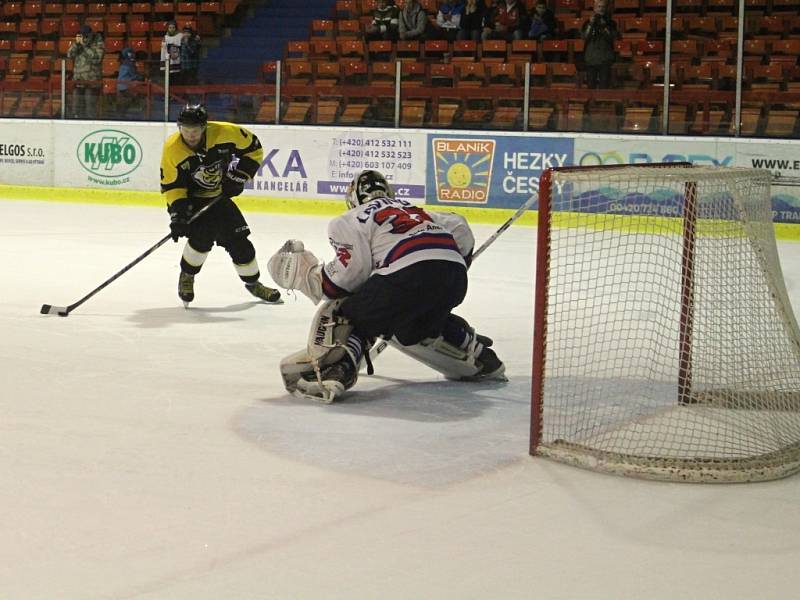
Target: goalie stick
381, 344
63, 311
520, 211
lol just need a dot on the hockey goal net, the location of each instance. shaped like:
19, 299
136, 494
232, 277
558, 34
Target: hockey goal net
665, 345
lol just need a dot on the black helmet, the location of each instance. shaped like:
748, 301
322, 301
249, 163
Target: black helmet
366, 186
193, 114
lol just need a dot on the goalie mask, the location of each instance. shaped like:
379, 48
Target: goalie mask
366, 186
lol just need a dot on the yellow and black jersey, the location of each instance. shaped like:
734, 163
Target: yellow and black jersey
187, 173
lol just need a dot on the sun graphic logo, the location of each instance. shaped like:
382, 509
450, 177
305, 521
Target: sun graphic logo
463, 169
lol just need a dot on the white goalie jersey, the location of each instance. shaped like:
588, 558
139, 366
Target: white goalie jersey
385, 235
380, 237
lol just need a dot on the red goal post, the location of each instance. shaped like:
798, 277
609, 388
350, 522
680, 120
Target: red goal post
665, 345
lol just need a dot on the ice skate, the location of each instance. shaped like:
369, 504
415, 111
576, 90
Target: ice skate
262, 292
186, 288
491, 367
485, 340
333, 382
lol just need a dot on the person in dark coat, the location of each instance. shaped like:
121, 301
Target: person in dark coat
599, 34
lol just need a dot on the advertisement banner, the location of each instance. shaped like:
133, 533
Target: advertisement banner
594, 151
490, 171
440, 168
319, 163
26, 152
114, 156
780, 158
783, 160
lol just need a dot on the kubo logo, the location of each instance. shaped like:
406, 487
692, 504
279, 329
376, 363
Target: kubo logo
109, 153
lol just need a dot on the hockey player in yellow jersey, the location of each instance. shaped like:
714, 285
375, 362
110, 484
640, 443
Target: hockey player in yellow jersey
202, 161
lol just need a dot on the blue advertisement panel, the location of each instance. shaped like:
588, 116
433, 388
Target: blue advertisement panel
591, 151
494, 171
779, 158
490, 171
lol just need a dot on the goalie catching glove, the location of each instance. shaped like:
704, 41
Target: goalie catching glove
295, 268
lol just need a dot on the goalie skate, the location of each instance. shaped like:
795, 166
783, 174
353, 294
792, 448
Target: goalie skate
490, 368
331, 384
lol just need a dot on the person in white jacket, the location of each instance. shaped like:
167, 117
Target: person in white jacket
398, 272
171, 50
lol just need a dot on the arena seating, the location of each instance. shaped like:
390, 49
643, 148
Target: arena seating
35, 35
334, 76
471, 84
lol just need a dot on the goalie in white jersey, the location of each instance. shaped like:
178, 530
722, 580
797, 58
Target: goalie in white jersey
397, 273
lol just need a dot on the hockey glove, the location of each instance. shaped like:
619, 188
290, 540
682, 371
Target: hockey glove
233, 182
295, 268
179, 214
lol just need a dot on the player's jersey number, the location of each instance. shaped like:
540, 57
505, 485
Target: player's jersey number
401, 219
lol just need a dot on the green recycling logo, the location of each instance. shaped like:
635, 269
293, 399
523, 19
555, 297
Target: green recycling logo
108, 155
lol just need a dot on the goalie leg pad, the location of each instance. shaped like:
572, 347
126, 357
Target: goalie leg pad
441, 356
293, 367
328, 330
298, 366
475, 363
327, 340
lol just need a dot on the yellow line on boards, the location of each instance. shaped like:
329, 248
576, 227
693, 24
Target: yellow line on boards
299, 206
264, 204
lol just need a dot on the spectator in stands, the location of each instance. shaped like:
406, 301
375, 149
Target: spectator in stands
543, 23
190, 56
472, 20
384, 22
127, 73
413, 22
599, 33
171, 50
448, 19
86, 51
506, 20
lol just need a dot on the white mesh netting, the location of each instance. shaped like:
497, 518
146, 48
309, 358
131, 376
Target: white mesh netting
671, 350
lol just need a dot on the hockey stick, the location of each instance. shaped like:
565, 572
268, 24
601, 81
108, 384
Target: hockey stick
520, 211
63, 311
382, 343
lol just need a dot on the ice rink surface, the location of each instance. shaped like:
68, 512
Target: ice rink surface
150, 452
